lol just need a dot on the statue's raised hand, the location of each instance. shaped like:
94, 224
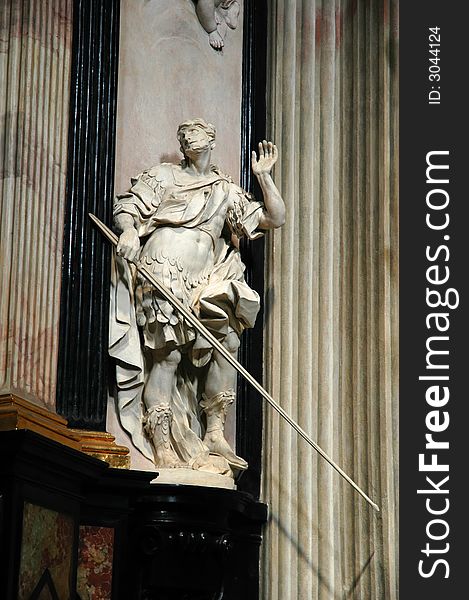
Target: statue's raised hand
268, 155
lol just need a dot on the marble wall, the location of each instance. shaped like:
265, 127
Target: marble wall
331, 331
35, 50
47, 549
169, 73
95, 562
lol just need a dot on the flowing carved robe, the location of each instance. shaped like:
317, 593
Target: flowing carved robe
165, 196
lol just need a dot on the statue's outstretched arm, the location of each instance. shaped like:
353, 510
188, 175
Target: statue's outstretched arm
274, 213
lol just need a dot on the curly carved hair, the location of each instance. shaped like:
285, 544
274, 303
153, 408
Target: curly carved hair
207, 127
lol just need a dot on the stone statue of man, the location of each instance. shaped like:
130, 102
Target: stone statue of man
183, 222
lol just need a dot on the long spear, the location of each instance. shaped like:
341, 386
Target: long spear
194, 321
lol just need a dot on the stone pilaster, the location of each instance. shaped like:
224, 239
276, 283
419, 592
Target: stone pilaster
331, 301
35, 52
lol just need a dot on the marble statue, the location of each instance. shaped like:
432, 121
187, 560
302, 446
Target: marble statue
216, 16
183, 222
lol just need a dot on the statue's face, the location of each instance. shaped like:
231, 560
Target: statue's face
194, 140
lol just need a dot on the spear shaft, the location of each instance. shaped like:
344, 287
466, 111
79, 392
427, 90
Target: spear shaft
194, 321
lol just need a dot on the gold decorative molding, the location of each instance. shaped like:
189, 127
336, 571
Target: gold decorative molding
18, 413
101, 444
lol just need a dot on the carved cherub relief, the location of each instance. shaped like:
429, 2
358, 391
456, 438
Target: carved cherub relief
216, 17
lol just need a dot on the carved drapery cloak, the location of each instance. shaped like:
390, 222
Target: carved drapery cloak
165, 196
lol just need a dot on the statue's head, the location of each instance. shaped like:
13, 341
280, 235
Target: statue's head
195, 124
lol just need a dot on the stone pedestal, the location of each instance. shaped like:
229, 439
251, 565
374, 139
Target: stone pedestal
196, 543
42, 487
69, 524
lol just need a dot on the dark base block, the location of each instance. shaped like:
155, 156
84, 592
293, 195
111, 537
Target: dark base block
197, 543
145, 541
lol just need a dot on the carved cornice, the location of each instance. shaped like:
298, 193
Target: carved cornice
17, 413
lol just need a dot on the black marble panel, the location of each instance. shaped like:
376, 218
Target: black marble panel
253, 126
83, 358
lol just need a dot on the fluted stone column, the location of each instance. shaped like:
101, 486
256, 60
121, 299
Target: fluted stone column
35, 51
331, 301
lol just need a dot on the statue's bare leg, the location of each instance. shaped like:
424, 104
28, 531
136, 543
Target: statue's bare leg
205, 10
219, 394
157, 398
